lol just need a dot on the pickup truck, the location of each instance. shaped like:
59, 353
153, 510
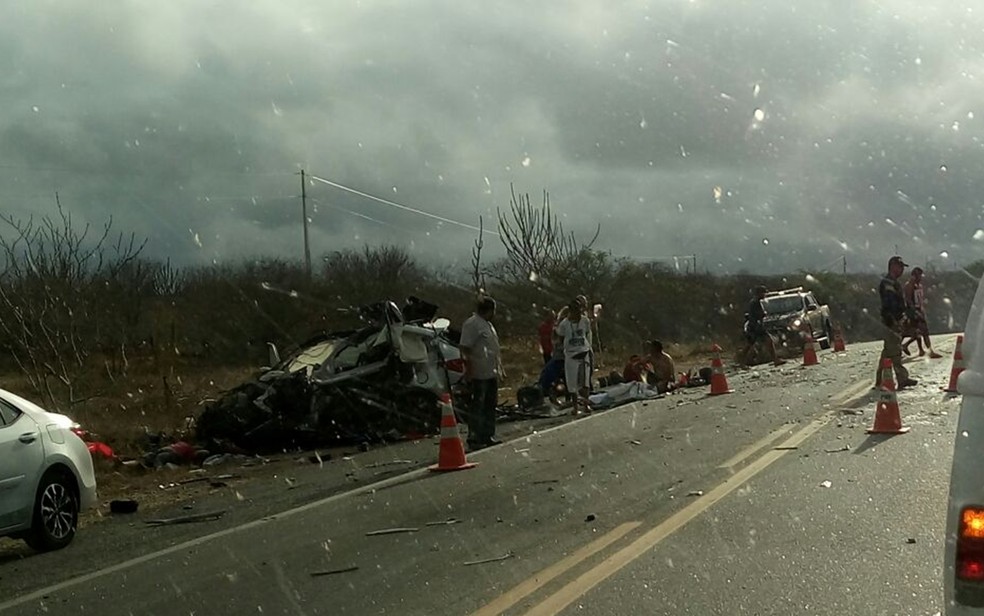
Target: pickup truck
793, 314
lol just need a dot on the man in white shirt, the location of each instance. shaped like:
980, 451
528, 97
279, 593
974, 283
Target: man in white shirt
483, 366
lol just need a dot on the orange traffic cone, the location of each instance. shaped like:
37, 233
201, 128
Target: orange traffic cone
839, 346
719, 382
452, 454
810, 352
958, 366
888, 419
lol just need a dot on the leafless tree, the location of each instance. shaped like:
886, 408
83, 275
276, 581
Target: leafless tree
65, 292
537, 246
477, 273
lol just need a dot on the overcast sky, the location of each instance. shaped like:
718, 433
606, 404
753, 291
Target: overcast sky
762, 135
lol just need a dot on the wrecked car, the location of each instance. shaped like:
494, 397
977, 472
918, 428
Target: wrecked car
378, 382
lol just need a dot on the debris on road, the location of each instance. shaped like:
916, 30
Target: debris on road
187, 519
390, 463
488, 560
838, 449
376, 383
590, 517
542, 481
391, 531
910, 540
635, 442
851, 412
447, 522
825, 484
695, 493
123, 506
334, 571
785, 448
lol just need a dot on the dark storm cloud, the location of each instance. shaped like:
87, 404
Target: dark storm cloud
757, 135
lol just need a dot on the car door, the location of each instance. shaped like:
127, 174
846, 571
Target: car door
813, 314
21, 460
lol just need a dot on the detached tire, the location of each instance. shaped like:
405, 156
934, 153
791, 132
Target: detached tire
56, 512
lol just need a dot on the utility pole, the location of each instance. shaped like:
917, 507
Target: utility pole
307, 244
844, 257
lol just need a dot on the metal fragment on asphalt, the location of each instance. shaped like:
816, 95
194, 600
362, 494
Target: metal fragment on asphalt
488, 560
447, 522
198, 517
695, 493
334, 571
391, 531
825, 484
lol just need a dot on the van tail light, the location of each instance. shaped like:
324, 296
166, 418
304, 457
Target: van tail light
455, 365
970, 545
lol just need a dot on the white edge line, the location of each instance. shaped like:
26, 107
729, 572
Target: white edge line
75, 581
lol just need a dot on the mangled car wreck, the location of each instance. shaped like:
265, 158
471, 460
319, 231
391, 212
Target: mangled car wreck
380, 381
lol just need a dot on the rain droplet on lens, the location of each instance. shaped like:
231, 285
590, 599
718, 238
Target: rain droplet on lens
979, 235
759, 115
944, 254
35, 109
527, 161
942, 168
765, 241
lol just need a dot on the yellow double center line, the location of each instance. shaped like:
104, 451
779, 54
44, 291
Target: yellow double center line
569, 593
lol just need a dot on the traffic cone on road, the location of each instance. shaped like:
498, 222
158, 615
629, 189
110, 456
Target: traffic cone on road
958, 366
452, 453
810, 352
839, 346
719, 382
888, 419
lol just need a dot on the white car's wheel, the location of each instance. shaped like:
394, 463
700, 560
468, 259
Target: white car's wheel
56, 512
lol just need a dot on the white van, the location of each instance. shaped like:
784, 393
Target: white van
963, 570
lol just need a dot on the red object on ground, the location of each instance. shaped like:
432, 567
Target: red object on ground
958, 366
101, 449
186, 451
888, 419
719, 382
451, 456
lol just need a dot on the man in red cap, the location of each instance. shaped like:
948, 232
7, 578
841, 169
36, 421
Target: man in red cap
892, 315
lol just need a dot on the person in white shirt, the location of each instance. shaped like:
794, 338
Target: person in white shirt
576, 333
483, 366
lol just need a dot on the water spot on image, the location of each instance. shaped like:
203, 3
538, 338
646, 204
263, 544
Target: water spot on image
527, 161
979, 235
759, 115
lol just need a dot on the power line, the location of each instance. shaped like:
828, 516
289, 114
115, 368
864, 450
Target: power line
400, 206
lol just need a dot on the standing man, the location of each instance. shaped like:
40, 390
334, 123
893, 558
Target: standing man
892, 315
915, 300
576, 330
483, 367
755, 326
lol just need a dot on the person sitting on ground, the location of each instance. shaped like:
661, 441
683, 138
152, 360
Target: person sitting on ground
636, 369
663, 374
755, 326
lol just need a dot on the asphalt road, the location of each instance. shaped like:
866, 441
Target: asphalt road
685, 505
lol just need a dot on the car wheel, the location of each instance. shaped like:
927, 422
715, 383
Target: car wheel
828, 337
56, 513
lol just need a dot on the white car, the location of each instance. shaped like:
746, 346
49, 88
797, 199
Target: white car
46, 475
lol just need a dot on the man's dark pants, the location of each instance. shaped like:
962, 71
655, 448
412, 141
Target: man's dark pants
481, 415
